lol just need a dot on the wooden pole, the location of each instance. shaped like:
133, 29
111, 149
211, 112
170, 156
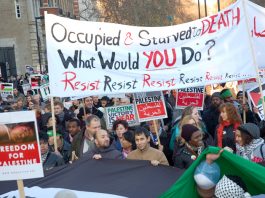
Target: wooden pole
20, 186
54, 126
244, 102
253, 55
156, 131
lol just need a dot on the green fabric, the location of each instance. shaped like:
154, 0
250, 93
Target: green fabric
230, 164
225, 94
50, 133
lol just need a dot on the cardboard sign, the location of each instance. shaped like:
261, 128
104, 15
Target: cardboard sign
35, 81
123, 112
45, 92
193, 96
150, 106
19, 146
6, 89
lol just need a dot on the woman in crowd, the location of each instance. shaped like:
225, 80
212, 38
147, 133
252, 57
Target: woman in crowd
119, 127
228, 122
127, 143
249, 144
188, 111
191, 148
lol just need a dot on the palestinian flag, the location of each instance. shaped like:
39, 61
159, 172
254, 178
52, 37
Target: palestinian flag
99, 178
255, 95
6, 87
230, 164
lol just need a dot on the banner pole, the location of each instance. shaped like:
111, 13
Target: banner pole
20, 186
54, 126
156, 131
244, 102
253, 56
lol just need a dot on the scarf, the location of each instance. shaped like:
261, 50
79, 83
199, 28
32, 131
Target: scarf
195, 150
220, 131
246, 151
44, 156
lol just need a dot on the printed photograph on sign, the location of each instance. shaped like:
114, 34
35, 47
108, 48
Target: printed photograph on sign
192, 96
124, 112
19, 146
150, 105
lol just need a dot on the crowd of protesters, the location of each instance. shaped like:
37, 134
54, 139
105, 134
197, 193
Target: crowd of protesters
81, 129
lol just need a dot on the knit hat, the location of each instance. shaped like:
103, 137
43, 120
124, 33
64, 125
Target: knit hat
207, 175
216, 94
251, 129
230, 186
225, 93
187, 131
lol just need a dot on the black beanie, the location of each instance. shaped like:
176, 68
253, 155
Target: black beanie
187, 131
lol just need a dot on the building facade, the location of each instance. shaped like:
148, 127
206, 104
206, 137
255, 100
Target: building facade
22, 35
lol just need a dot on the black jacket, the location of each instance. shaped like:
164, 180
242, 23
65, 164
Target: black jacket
228, 137
211, 119
52, 161
108, 153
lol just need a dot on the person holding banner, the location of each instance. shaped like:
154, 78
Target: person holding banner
249, 144
144, 151
127, 143
250, 116
192, 146
228, 122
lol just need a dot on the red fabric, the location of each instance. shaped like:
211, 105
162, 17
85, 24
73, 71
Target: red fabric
221, 129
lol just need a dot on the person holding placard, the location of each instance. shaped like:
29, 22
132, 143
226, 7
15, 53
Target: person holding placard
49, 159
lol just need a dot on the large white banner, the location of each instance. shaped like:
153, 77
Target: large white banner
92, 58
256, 18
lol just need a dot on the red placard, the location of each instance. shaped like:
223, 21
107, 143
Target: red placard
193, 96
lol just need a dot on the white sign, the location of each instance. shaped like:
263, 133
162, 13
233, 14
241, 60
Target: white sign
45, 91
19, 146
93, 58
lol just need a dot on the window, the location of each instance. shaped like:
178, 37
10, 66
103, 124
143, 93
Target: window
17, 9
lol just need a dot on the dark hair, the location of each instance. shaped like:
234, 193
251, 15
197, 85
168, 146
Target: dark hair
129, 136
141, 130
76, 121
57, 119
43, 136
122, 122
105, 98
247, 138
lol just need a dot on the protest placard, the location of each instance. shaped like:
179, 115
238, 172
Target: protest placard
26, 88
6, 89
35, 81
150, 105
19, 146
193, 96
123, 112
45, 92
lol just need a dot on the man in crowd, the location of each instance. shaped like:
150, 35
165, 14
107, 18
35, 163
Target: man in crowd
211, 115
84, 141
73, 127
64, 148
103, 148
144, 151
